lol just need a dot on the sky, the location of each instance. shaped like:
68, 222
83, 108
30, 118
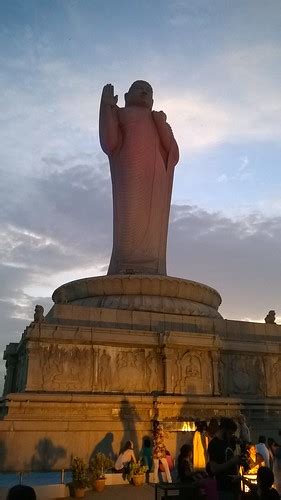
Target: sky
215, 69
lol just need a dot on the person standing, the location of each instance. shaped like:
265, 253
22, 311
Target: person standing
200, 446
222, 462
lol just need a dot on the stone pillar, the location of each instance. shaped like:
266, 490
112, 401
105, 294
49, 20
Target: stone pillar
95, 368
167, 357
11, 365
30, 377
215, 355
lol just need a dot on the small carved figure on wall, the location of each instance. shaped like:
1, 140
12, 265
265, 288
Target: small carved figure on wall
270, 318
39, 314
105, 371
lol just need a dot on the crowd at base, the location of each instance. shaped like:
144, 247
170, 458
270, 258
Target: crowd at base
221, 462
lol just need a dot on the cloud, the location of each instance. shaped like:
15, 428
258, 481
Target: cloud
242, 106
239, 257
57, 111
242, 173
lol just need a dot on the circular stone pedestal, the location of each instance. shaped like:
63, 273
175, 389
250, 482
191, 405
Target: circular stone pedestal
162, 294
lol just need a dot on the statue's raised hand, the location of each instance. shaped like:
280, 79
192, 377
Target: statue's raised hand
159, 116
108, 96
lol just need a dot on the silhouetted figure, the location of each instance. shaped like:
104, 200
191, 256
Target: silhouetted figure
21, 492
270, 318
212, 428
223, 463
185, 467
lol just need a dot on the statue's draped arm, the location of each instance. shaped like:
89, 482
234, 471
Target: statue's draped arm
110, 133
167, 139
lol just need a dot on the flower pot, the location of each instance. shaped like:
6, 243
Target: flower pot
79, 492
99, 484
138, 479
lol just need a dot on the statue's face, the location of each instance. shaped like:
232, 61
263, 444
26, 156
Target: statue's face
140, 94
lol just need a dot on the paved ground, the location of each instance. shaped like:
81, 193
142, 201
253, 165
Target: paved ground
128, 492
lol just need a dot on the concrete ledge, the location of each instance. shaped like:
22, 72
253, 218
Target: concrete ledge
113, 479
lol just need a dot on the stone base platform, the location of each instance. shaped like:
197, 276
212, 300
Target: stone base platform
161, 294
85, 377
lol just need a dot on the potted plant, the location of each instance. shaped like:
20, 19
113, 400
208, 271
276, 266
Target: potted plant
98, 465
80, 479
136, 473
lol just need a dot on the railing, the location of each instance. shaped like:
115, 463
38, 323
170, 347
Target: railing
59, 476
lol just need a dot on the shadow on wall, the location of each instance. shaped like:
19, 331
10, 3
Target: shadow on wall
3, 454
105, 446
129, 416
47, 455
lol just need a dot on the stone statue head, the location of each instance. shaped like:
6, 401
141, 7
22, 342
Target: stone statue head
139, 94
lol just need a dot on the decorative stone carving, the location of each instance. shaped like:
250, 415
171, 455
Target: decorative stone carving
215, 355
273, 370
154, 371
192, 373
104, 371
246, 374
130, 370
39, 314
67, 368
270, 318
10, 355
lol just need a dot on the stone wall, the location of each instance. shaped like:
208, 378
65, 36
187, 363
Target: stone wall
88, 377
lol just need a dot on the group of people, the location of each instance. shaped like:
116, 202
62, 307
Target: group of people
220, 457
155, 457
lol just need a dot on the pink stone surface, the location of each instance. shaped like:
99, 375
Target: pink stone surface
142, 153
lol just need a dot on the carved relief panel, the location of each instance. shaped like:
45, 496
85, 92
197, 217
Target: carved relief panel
67, 368
72, 367
129, 370
273, 371
192, 373
243, 374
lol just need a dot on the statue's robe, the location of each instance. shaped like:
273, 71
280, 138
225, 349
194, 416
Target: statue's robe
142, 177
